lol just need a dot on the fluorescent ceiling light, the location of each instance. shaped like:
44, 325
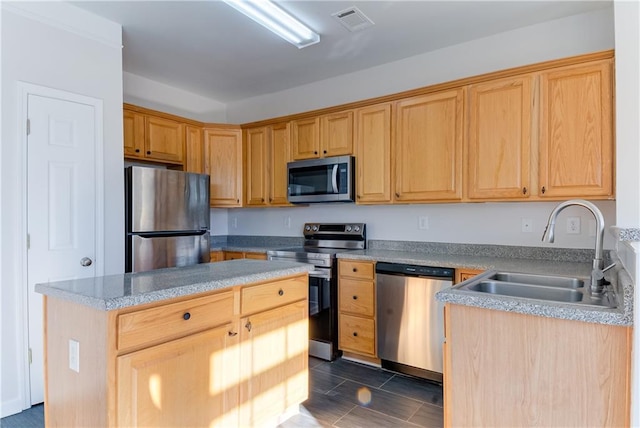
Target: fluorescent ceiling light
270, 16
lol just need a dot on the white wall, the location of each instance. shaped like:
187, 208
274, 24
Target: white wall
59, 46
484, 223
554, 39
148, 93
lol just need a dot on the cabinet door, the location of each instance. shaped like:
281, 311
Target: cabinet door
194, 161
223, 162
373, 154
336, 134
257, 177
499, 140
191, 381
133, 124
274, 363
233, 255
164, 140
306, 138
428, 147
576, 142
280, 154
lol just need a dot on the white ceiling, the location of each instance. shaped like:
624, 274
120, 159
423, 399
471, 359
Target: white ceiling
208, 48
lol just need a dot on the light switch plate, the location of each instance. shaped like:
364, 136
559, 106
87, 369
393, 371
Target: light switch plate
527, 225
74, 355
423, 222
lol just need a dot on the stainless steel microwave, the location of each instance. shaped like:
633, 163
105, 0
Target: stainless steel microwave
321, 180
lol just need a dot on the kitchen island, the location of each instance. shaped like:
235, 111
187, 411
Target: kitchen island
219, 344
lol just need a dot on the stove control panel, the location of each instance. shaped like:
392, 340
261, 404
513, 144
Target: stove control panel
334, 229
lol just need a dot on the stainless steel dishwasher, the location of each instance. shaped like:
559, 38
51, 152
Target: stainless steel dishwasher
410, 329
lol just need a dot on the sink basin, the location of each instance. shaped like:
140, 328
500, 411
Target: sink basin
531, 279
557, 294
559, 289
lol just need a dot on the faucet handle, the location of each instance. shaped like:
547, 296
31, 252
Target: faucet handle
599, 273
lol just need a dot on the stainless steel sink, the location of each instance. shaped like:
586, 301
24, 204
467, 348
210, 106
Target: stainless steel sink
557, 294
561, 289
532, 279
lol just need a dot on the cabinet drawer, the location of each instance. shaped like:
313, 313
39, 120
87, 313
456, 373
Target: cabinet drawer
256, 256
356, 297
353, 269
266, 296
233, 255
357, 334
166, 322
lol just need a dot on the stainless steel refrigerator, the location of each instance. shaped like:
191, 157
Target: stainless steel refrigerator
167, 218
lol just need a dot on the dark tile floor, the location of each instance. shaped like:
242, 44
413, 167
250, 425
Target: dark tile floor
342, 394
347, 394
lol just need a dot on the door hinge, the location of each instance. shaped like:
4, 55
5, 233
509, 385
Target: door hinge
30, 356
28, 126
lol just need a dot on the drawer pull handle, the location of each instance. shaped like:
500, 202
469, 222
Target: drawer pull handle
233, 333
148, 152
355, 297
281, 292
355, 269
248, 325
186, 316
355, 334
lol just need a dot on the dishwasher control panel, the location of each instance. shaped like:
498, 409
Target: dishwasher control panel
413, 270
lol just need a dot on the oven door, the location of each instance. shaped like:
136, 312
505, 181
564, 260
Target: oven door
323, 315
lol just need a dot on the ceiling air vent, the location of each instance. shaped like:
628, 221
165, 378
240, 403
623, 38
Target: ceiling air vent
353, 19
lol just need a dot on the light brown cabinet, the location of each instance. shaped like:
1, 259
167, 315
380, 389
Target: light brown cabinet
194, 156
373, 154
356, 307
280, 155
236, 255
236, 357
223, 161
499, 139
256, 166
267, 153
576, 131
511, 369
323, 136
428, 147
464, 274
152, 138
216, 256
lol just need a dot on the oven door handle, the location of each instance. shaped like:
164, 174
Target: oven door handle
334, 178
320, 274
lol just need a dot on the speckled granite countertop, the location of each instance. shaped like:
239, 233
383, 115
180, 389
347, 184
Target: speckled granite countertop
131, 289
512, 259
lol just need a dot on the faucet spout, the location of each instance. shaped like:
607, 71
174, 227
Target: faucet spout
598, 263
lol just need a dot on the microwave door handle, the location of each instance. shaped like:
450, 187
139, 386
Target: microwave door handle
334, 178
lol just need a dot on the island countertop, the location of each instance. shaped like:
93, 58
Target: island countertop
119, 291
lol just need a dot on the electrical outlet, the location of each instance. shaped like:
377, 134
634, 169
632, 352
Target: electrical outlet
423, 222
234, 223
287, 222
527, 225
74, 355
573, 225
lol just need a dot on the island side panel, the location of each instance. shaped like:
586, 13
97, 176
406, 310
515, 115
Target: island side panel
76, 398
510, 369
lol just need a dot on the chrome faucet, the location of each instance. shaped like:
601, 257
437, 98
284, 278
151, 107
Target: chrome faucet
597, 269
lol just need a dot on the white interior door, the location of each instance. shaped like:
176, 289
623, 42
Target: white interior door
61, 207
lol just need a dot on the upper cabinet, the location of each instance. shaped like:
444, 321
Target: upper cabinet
223, 162
152, 138
194, 153
256, 170
323, 136
373, 154
499, 139
576, 131
268, 150
280, 155
428, 147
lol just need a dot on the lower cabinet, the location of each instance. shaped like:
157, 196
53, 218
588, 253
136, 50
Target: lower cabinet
235, 255
274, 379
510, 369
357, 307
200, 373
236, 357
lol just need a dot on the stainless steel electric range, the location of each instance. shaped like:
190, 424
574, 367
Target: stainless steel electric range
322, 241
